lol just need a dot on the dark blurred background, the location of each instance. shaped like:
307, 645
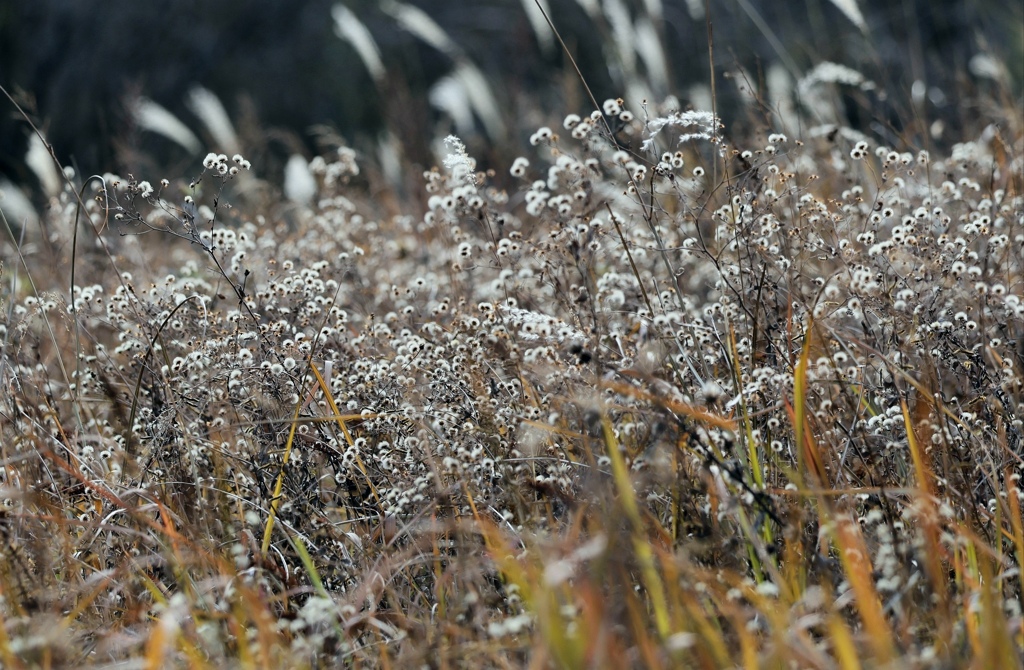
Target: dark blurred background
288, 80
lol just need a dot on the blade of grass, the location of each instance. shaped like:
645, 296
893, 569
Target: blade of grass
928, 518
545, 603
643, 550
8, 656
160, 638
808, 455
853, 554
329, 395
842, 643
307, 563
694, 413
706, 623
275, 499
1013, 500
753, 459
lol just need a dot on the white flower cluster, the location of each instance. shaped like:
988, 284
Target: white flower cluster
219, 163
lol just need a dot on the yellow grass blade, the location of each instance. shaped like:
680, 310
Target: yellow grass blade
753, 459
644, 553
842, 644
325, 387
275, 500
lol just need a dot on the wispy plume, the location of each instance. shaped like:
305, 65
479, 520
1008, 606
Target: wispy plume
38, 160
348, 27
157, 119
697, 125
539, 24
851, 10
210, 110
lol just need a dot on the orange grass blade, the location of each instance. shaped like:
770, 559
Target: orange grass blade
9, 659
806, 448
160, 639
853, 554
678, 407
928, 516
1018, 527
